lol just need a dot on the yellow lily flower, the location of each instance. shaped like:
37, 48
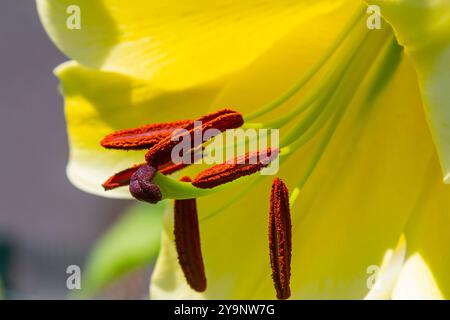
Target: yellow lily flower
364, 115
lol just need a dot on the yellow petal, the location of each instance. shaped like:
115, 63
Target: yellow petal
382, 279
98, 103
352, 210
170, 284
425, 274
174, 43
416, 282
423, 27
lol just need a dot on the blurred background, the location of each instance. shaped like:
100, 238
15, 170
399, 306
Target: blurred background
45, 223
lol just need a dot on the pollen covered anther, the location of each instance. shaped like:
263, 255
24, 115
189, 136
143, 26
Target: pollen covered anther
187, 241
280, 238
142, 187
143, 137
121, 178
171, 167
221, 120
229, 171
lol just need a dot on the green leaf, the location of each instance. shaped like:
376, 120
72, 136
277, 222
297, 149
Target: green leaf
131, 243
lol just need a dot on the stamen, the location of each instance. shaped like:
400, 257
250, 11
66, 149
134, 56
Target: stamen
143, 137
142, 187
248, 164
187, 241
221, 120
121, 178
280, 238
171, 167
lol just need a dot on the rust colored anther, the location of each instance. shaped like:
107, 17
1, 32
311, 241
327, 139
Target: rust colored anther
248, 164
143, 137
121, 178
169, 168
280, 238
187, 241
221, 120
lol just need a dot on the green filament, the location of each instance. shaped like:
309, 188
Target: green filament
306, 129
296, 87
294, 195
173, 189
344, 96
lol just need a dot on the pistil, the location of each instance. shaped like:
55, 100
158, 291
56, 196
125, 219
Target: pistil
142, 186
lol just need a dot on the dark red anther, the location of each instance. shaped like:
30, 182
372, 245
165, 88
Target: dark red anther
187, 241
280, 238
121, 178
248, 164
220, 120
169, 168
143, 137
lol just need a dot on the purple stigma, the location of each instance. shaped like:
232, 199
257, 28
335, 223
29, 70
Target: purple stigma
142, 187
